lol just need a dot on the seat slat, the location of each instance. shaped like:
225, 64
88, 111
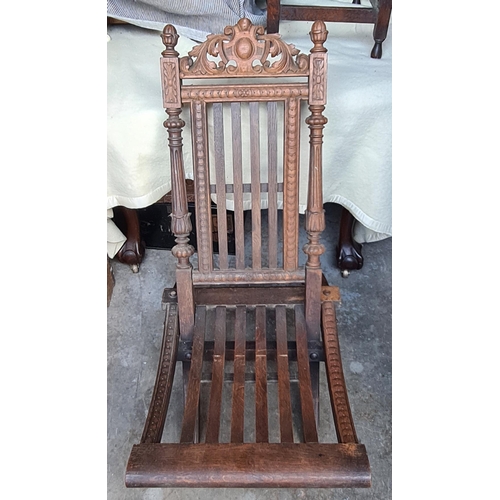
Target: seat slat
305, 388
193, 392
255, 172
261, 406
249, 465
238, 185
285, 407
238, 403
215, 403
220, 182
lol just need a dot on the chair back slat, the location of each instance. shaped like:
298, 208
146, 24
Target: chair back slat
255, 185
220, 183
239, 231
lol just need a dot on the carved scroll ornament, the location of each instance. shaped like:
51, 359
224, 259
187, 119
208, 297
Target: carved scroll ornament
243, 50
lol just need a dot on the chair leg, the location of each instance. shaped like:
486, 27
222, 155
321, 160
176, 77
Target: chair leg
349, 256
381, 27
132, 251
273, 16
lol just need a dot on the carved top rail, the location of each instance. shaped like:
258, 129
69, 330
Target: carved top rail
244, 50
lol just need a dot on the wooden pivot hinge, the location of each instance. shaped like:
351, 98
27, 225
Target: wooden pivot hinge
330, 294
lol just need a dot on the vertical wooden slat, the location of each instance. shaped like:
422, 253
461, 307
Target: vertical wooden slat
291, 185
215, 403
255, 170
314, 370
285, 407
193, 390
186, 369
272, 163
202, 186
306, 397
261, 407
238, 185
238, 405
220, 183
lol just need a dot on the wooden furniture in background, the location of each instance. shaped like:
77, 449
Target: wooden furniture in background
110, 281
132, 251
379, 14
260, 317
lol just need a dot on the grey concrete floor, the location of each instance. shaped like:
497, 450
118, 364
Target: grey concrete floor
135, 319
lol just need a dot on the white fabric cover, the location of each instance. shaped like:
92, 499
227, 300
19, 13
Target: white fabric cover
358, 138
193, 18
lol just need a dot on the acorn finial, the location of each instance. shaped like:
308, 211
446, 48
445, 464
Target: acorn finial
318, 36
169, 38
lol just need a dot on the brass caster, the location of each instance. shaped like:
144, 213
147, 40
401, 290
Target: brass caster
135, 268
345, 273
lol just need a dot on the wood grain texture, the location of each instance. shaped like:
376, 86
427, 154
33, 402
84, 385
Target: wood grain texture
238, 401
249, 295
215, 402
261, 404
255, 171
285, 406
249, 465
220, 181
238, 185
305, 387
193, 391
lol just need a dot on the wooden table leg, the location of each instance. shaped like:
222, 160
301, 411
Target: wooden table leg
381, 27
132, 251
349, 256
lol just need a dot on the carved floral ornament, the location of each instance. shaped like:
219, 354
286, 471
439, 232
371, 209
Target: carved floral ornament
243, 50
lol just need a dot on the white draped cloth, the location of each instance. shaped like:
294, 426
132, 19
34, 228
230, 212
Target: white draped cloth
357, 150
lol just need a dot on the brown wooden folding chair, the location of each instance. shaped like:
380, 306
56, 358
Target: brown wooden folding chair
252, 328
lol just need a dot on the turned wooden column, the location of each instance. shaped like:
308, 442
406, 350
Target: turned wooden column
315, 214
180, 217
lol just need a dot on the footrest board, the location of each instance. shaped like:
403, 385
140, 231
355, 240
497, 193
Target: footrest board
248, 465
